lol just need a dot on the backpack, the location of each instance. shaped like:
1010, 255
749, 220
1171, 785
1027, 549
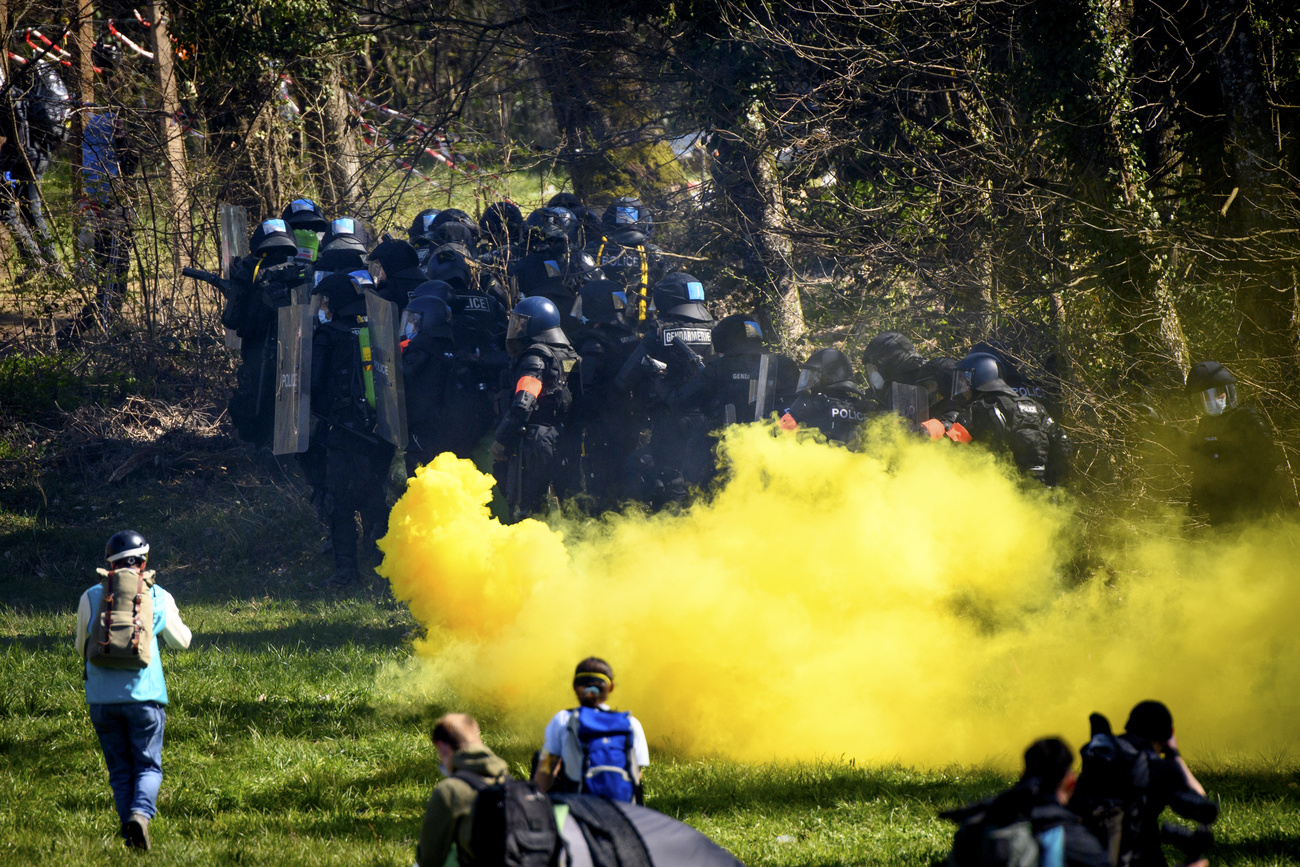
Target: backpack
49, 108
121, 631
985, 841
1112, 792
608, 766
1025, 429
512, 824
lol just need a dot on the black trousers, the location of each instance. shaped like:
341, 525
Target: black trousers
356, 471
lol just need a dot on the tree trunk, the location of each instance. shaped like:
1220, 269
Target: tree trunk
337, 156
173, 141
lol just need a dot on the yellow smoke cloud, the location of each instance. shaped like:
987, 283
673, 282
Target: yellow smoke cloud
901, 603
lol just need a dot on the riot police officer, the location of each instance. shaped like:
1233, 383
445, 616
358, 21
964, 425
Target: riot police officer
828, 399
1234, 459
677, 343
624, 253
356, 460
890, 357
545, 266
587, 225
429, 377
307, 224
1007, 422
344, 247
529, 454
419, 234
395, 268
260, 284
612, 416
501, 226
454, 264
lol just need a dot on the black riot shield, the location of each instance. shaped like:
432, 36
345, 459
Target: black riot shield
293, 380
232, 246
386, 360
912, 402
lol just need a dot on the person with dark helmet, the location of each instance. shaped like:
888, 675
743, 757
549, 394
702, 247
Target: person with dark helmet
418, 233
260, 284
545, 266
587, 226
501, 225
125, 688
1129, 780
612, 416
936, 377
429, 378
530, 453
678, 341
454, 263
624, 254
888, 358
1234, 459
344, 246
308, 225
395, 267
1007, 422
827, 398
356, 459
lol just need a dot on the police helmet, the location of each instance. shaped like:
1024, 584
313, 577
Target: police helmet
890, 357
126, 545
451, 263
456, 215
343, 292
344, 246
418, 234
502, 223
680, 294
602, 301
973, 373
534, 320
551, 224
270, 237
738, 333
936, 377
826, 368
305, 214
1211, 388
394, 255
453, 232
569, 201
626, 221
428, 315
433, 288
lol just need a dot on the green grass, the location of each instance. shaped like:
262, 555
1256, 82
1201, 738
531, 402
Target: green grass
290, 742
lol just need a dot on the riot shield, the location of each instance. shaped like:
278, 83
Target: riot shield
912, 402
293, 380
232, 246
386, 365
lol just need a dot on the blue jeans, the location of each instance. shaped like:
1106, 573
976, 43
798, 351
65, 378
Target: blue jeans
131, 736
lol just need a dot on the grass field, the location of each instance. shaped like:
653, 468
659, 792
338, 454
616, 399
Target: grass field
287, 742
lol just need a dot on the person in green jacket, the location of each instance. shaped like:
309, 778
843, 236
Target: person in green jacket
444, 839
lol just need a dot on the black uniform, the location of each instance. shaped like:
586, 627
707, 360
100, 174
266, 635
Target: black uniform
260, 286
551, 270
1023, 802
357, 461
635, 264
612, 416
432, 400
659, 474
1021, 427
1234, 463
741, 387
839, 413
544, 380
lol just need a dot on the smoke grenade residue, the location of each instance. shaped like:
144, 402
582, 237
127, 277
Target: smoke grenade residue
902, 603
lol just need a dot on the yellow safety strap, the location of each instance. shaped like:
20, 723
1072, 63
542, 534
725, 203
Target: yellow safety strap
645, 283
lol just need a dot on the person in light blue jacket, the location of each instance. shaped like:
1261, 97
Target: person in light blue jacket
128, 704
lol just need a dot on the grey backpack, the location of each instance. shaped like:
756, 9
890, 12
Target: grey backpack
121, 631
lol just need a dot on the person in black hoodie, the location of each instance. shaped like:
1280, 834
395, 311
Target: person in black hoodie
395, 267
1036, 804
356, 460
429, 377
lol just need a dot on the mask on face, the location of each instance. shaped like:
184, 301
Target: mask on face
410, 330
323, 316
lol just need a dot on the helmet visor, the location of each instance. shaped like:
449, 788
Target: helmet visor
576, 310
808, 379
1216, 399
411, 324
962, 382
518, 327
875, 378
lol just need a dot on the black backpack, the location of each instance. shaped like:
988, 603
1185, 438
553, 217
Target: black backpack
1112, 791
512, 824
49, 108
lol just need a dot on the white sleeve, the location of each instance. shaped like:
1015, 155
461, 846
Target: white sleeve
175, 632
553, 739
640, 749
83, 624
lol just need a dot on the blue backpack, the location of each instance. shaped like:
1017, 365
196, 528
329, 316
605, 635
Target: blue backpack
608, 766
